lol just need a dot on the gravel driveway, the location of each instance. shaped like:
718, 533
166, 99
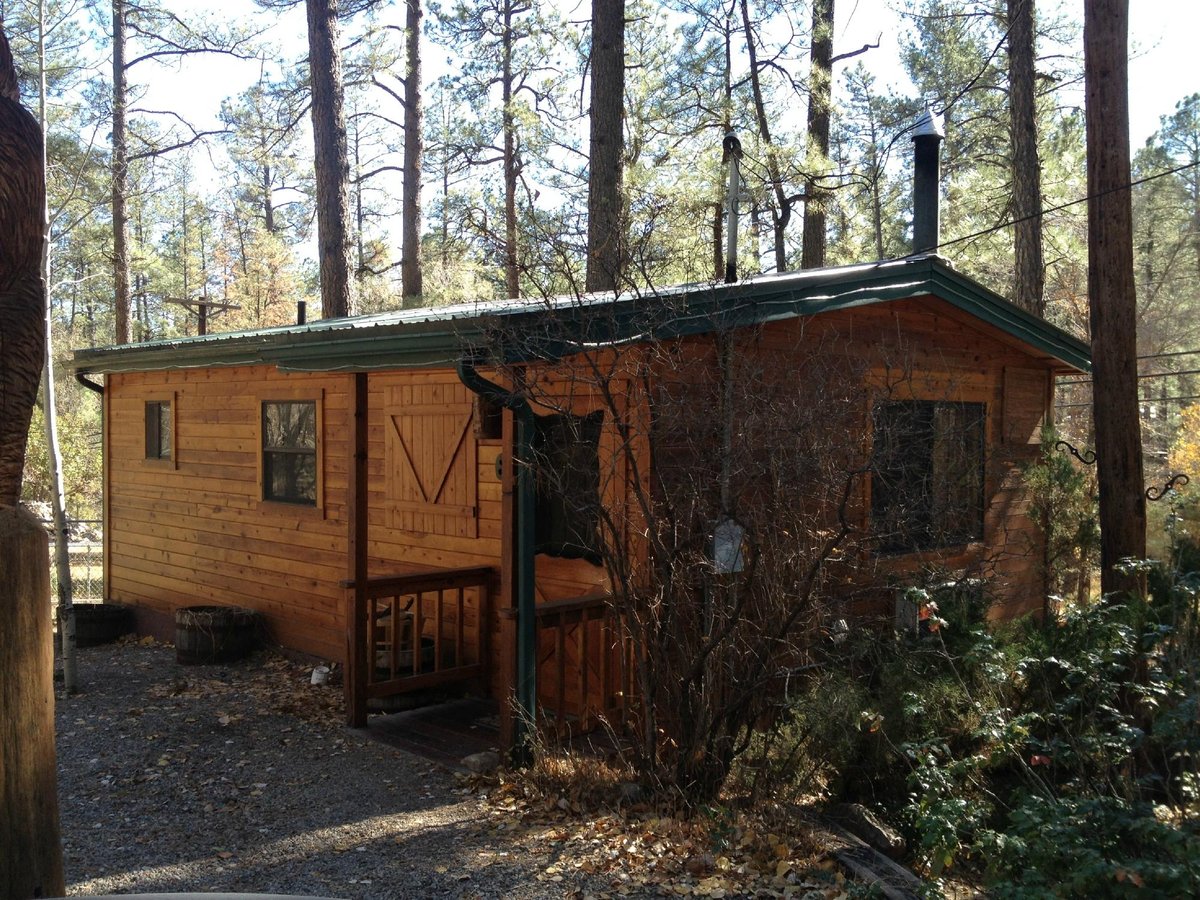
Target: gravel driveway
240, 778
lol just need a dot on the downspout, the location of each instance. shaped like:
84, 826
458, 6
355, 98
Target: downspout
526, 687
90, 385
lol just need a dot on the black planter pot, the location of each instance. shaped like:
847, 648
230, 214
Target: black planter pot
214, 634
101, 623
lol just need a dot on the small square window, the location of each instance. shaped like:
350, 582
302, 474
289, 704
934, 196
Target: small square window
289, 452
158, 429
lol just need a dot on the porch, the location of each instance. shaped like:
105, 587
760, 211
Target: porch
416, 632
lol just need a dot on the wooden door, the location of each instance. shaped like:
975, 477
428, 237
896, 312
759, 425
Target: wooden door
431, 465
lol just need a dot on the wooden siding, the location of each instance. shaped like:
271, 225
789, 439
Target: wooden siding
843, 363
194, 530
198, 532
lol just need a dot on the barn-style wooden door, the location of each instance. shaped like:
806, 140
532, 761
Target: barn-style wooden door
431, 459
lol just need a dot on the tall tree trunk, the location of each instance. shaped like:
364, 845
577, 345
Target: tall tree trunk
30, 850
606, 238
820, 98
120, 179
781, 212
512, 272
1026, 166
411, 287
1111, 299
331, 161
62, 559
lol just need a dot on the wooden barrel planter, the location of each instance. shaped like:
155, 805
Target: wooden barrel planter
101, 623
214, 634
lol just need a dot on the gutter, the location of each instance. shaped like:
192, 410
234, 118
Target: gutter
522, 459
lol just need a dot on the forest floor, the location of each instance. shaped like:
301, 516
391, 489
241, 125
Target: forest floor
243, 778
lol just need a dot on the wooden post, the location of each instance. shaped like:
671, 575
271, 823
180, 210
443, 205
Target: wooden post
357, 655
505, 618
30, 852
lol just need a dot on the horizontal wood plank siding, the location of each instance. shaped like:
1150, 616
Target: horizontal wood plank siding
200, 534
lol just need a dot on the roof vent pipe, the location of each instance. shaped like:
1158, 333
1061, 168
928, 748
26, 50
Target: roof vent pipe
301, 312
927, 174
731, 156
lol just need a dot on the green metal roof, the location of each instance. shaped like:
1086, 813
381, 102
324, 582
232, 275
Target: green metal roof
518, 330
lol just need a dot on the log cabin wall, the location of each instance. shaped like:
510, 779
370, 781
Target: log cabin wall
917, 349
192, 529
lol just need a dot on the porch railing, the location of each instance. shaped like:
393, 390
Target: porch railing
584, 665
422, 630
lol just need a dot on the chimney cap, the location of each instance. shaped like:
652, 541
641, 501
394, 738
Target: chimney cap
929, 125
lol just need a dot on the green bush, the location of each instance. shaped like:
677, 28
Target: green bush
1052, 760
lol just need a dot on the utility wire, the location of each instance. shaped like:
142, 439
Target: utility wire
1149, 401
1147, 375
1085, 199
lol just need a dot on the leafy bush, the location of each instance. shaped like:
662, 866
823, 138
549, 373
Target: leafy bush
1057, 760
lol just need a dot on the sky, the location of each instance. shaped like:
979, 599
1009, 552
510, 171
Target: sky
1163, 55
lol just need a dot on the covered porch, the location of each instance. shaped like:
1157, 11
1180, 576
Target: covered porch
418, 630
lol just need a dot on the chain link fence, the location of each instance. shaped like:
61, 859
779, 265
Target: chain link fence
85, 548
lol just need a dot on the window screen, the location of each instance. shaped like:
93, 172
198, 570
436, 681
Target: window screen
567, 458
289, 451
158, 429
927, 474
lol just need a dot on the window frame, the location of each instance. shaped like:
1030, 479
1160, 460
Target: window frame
281, 396
170, 460
936, 540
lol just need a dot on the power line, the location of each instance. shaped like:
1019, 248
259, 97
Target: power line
1147, 375
1146, 402
1085, 199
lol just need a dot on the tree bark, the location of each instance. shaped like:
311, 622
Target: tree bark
62, 559
781, 213
512, 271
120, 179
331, 159
30, 847
30, 851
1111, 299
22, 291
411, 287
820, 98
606, 239
1030, 273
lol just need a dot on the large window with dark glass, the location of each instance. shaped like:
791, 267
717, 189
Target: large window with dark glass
566, 452
158, 429
289, 451
927, 474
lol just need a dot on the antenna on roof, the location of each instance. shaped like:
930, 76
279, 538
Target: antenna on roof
731, 156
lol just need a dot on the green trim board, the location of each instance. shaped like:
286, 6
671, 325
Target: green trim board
526, 330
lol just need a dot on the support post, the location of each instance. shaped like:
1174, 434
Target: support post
30, 850
357, 654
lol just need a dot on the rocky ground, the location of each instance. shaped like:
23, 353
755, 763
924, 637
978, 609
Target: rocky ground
241, 778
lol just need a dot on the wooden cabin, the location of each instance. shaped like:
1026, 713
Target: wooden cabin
352, 479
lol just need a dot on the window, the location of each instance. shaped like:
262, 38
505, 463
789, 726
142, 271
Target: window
566, 451
158, 429
927, 474
289, 451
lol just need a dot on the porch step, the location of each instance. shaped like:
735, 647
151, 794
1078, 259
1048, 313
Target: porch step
442, 732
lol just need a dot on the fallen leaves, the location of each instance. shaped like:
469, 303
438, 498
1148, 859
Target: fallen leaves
644, 851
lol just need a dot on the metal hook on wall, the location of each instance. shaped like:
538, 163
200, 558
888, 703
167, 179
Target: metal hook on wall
1153, 494
1088, 457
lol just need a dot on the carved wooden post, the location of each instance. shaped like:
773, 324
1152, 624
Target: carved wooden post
30, 852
